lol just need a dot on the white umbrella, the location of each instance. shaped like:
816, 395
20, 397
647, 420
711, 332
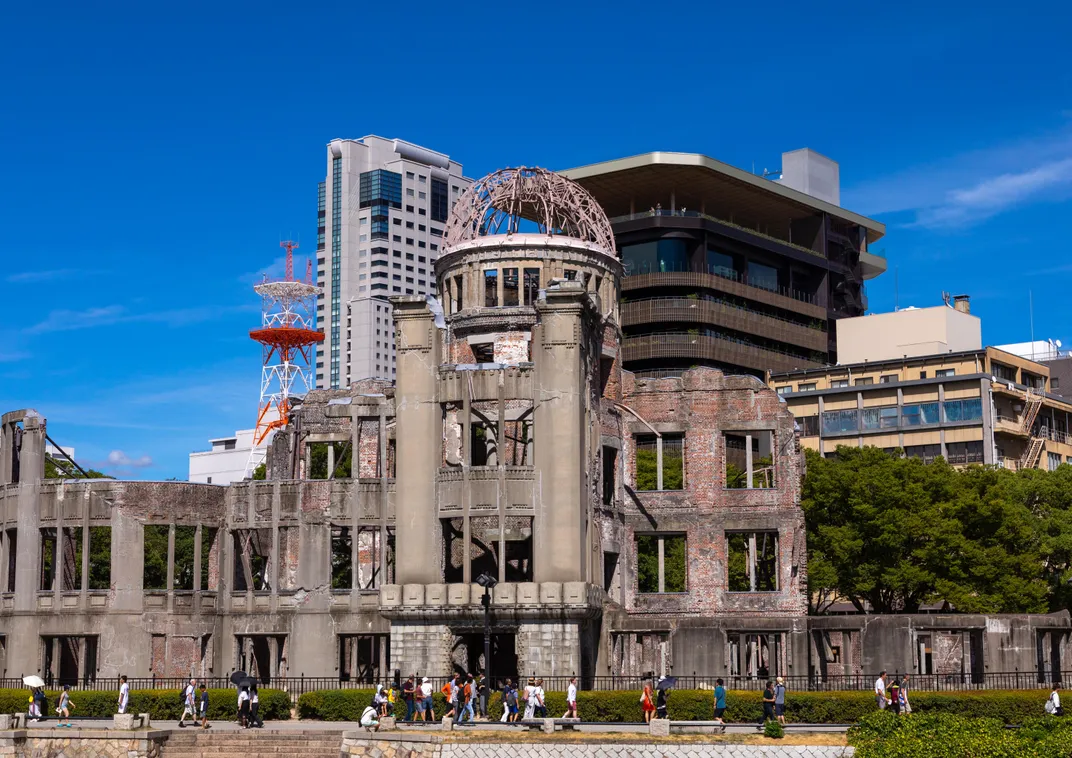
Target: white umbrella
33, 681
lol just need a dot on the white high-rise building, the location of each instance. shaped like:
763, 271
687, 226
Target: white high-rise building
382, 210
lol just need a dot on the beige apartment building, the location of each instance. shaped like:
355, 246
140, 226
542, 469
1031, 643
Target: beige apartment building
975, 405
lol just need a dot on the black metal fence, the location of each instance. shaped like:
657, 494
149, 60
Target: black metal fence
297, 685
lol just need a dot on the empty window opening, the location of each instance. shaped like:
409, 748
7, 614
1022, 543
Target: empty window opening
70, 660
483, 352
517, 536
660, 462
610, 475
749, 460
252, 549
467, 654
924, 655
484, 546
510, 286
753, 561
453, 549
329, 460
100, 557
184, 558
363, 658
518, 431
375, 557
661, 563
262, 656
155, 552
532, 285
11, 539
611, 578
210, 558
757, 656
61, 571
606, 370
342, 559
491, 289
458, 289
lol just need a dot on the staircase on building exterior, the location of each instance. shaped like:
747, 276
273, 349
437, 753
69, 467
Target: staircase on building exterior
250, 742
1036, 440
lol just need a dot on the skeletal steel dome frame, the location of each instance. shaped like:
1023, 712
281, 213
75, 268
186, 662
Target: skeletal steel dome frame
499, 202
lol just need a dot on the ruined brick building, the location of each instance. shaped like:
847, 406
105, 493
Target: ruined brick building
632, 524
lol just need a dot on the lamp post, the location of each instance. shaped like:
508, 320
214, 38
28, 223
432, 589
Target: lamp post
487, 581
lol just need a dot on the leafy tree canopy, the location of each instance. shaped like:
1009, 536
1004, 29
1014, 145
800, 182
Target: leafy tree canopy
895, 533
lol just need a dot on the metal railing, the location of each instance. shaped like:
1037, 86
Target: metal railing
669, 267
663, 212
298, 685
815, 325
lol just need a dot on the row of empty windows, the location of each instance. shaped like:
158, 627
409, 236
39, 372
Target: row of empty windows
748, 462
751, 562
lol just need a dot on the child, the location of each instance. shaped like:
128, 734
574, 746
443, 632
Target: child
65, 706
204, 707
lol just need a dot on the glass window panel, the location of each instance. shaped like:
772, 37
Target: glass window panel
760, 275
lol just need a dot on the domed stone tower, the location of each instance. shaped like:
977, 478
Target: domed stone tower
505, 413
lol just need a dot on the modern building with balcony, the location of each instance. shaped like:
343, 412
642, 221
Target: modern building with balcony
921, 382
727, 269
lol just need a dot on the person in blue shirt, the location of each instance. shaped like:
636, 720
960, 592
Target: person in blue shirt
204, 707
720, 703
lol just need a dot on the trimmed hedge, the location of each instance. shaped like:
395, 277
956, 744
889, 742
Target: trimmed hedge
1012, 706
941, 735
160, 704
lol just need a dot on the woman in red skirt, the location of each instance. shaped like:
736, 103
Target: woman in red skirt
647, 702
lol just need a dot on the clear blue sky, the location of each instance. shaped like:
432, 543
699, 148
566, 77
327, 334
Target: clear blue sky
154, 154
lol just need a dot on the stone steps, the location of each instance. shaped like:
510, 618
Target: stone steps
244, 744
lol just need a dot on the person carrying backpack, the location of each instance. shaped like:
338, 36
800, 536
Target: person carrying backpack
1053, 704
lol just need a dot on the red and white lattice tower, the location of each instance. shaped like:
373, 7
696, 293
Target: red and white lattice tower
287, 336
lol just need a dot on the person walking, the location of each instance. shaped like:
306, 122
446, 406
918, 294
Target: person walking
895, 695
660, 703
482, 696
254, 706
906, 707
243, 707
65, 706
1053, 705
571, 699
426, 706
779, 700
124, 694
720, 703
450, 692
465, 700
768, 704
540, 711
204, 707
880, 691
510, 709
34, 711
647, 703
530, 701
408, 693
188, 704
40, 703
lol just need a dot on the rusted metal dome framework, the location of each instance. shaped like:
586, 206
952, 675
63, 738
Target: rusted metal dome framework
498, 203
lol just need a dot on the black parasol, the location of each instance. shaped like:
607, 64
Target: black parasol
238, 676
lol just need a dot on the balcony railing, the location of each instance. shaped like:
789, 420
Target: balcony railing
719, 348
667, 267
708, 217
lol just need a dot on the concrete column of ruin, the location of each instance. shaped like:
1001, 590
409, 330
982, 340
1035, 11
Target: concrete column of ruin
559, 531
418, 422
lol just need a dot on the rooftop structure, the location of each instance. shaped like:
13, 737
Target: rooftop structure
909, 333
726, 269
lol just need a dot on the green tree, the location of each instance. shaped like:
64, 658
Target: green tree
53, 471
895, 533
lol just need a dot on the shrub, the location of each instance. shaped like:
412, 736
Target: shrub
939, 735
160, 704
773, 730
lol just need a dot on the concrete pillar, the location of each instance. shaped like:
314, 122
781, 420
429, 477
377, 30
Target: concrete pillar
748, 459
331, 460
659, 465
128, 561
418, 421
31, 471
559, 530
171, 565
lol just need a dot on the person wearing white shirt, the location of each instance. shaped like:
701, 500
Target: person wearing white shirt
571, 699
188, 703
425, 703
124, 694
243, 707
1053, 705
880, 691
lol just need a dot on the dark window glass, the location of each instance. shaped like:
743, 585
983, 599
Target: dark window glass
440, 205
760, 275
656, 257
